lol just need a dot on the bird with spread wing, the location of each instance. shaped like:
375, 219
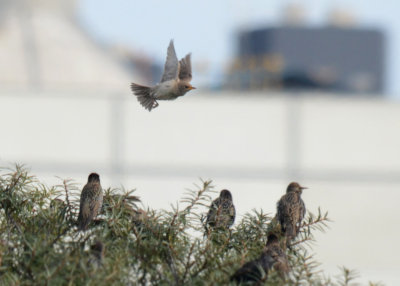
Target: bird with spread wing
175, 81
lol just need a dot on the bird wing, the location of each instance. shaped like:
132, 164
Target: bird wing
303, 210
277, 259
281, 211
185, 68
301, 214
96, 204
253, 270
171, 67
232, 214
212, 212
84, 208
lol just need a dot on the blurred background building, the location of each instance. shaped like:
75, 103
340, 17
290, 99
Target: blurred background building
335, 59
340, 56
43, 47
67, 110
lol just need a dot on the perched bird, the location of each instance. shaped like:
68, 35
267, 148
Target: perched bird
221, 214
291, 210
257, 270
91, 201
96, 255
274, 250
175, 81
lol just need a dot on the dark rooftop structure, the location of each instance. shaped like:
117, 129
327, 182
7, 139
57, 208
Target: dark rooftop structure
348, 60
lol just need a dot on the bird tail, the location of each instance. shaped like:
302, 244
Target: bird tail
290, 233
82, 224
143, 94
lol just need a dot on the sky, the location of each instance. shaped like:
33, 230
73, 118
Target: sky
208, 28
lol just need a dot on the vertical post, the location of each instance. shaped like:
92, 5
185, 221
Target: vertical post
293, 137
117, 137
31, 54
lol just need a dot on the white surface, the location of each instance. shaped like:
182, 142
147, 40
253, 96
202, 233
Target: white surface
240, 143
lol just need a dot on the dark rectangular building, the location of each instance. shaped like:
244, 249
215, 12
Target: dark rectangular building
330, 58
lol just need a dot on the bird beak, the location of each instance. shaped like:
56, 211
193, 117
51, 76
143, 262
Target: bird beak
192, 87
303, 188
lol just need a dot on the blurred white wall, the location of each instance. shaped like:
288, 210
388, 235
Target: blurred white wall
346, 150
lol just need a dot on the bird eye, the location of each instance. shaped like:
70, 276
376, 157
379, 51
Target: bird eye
186, 86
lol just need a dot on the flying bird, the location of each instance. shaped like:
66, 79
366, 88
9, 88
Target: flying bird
221, 214
91, 201
257, 270
175, 81
291, 210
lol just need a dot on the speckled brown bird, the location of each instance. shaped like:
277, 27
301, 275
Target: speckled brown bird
257, 270
221, 214
291, 210
91, 201
175, 81
96, 255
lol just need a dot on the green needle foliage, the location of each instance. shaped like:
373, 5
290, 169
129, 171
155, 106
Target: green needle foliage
40, 244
